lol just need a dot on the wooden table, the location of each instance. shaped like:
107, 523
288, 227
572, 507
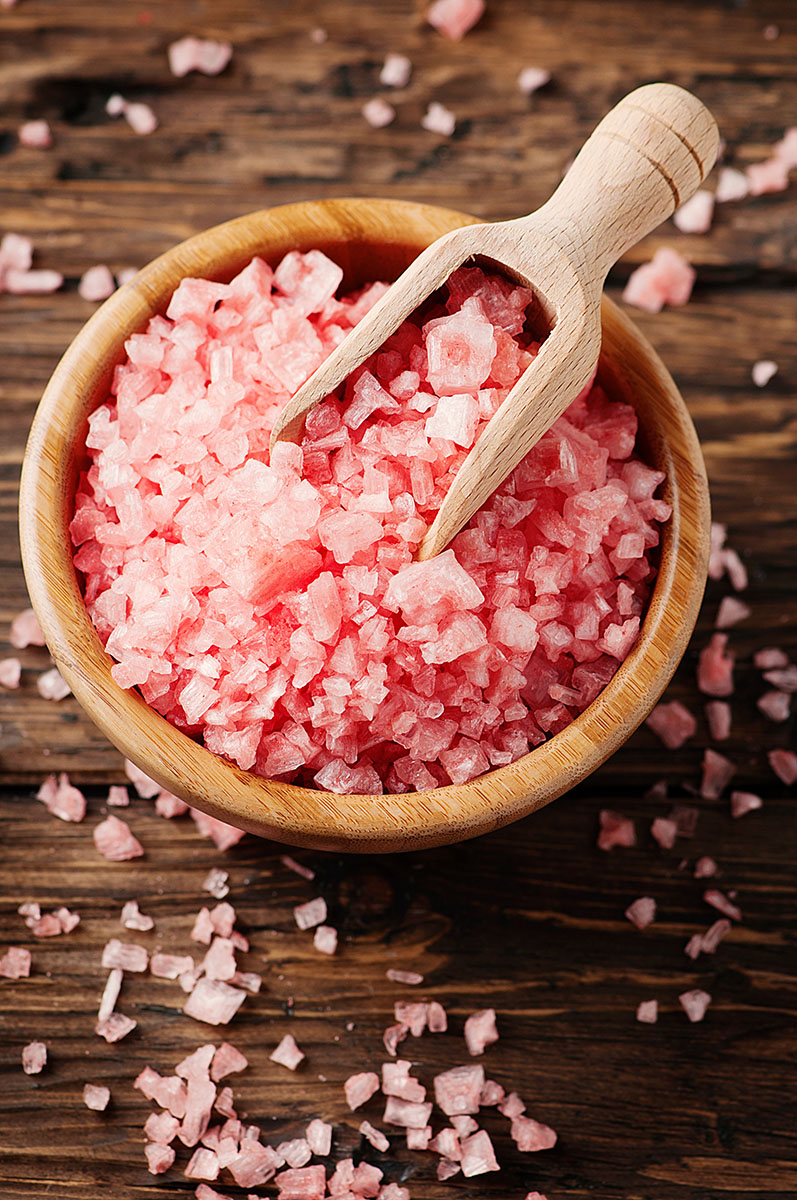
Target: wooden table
529, 920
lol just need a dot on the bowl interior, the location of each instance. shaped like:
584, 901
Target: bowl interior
369, 239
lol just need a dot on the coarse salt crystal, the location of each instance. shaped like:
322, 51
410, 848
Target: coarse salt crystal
223, 836
319, 1137
396, 71
721, 902
159, 1158
717, 774
478, 1155
785, 679
480, 1031
360, 1088
170, 966
648, 1012
439, 119
214, 1002
705, 867
374, 1136
96, 1096
51, 685
458, 1090
408, 978
147, 788
115, 1027
772, 175
110, 994
378, 113
142, 120
762, 371
15, 963
62, 798
718, 716
731, 185
303, 1183
10, 672
615, 830
198, 54
715, 667
287, 1053
25, 628
297, 867
325, 939
454, 18
35, 135
731, 611
664, 831
744, 802
530, 1135
115, 841
784, 764
407, 1113
125, 955
133, 918
694, 216
642, 912
531, 79
694, 1003
97, 283
118, 797
313, 913
673, 723
34, 1058
216, 883
667, 279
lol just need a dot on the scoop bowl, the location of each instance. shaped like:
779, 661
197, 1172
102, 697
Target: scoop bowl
370, 239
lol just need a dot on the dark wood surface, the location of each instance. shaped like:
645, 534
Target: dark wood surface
529, 920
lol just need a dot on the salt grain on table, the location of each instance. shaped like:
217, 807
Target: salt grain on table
454, 18
214, 1002
35, 135
15, 963
694, 216
51, 685
694, 1003
313, 913
97, 283
648, 1012
96, 1096
287, 1053
439, 119
115, 841
34, 1058
396, 71
10, 672
378, 113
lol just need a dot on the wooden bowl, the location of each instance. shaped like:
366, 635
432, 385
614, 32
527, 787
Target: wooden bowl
370, 239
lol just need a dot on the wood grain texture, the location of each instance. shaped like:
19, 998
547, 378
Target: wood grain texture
529, 918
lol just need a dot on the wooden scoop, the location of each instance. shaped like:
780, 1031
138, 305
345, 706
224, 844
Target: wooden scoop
646, 157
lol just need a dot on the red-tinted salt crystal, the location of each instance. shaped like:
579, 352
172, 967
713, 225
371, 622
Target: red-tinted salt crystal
454, 18
287, 1053
397, 1081
666, 279
437, 1020
393, 1036
447, 1169
342, 1178
46, 926
536, 1196
159, 1158
219, 962
10, 672
299, 868
225, 1106
115, 841
296, 1152
615, 830
214, 1002
118, 797
319, 1137
694, 1003
464, 1126
512, 1106
721, 902
735, 568
785, 679
447, 1144
694, 216
396, 71
304, 1183
115, 1027
97, 283
458, 1090
203, 1164
204, 928
715, 667
393, 1191
478, 1156
216, 883
530, 1135
673, 723
168, 806
374, 1136
68, 920
170, 966
664, 831
222, 835
685, 817
200, 1096
705, 867
731, 185
743, 803
147, 788
198, 54
418, 1139
255, 1164
62, 798
717, 774
718, 717
25, 627
406, 1113
226, 1061
642, 912
35, 135
784, 764
51, 685
410, 978
714, 935
161, 1128
731, 611
648, 1012
197, 1064
127, 956
378, 113
360, 1088
491, 1094
366, 1180
110, 994
413, 1014
531, 79
205, 1192
771, 175
313, 913
32, 283
770, 658
34, 1058
133, 918
480, 1031
325, 939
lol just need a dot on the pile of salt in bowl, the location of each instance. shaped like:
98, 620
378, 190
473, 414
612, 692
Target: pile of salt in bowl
271, 605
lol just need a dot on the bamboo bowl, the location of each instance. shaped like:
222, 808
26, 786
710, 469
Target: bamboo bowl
370, 239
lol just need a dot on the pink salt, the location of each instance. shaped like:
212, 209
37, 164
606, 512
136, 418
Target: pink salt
480, 1031
198, 54
717, 774
96, 1096
695, 215
673, 723
530, 1135
127, 956
694, 1003
664, 831
147, 788
705, 867
142, 120
159, 1158
35, 135
531, 79
715, 667
642, 912
775, 705
214, 1002
648, 1012
313, 913
15, 963
396, 71
731, 185
226, 1061
360, 1088
454, 18
170, 966
721, 902
785, 679
34, 1058
223, 836
772, 175
439, 119
718, 717
97, 283
62, 798
51, 685
115, 1027
615, 830
762, 371
10, 672
408, 978
25, 628
118, 797
378, 113
374, 1136
297, 867
478, 1155
287, 1053
115, 841
784, 764
458, 1090
319, 1137
666, 279
133, 918
216, 883
325, 939
731, 611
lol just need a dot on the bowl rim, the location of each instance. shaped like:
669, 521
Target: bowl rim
284, 812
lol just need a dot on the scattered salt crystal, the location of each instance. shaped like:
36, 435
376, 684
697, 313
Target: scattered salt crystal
215, 882
67, 920
491, 1094
531, 79
615, 830
126, 955
412, 1014
110, 994
319, 1137
397, 1081
304, 1183
15, 963
287, 1053
480, 1031
296, 1152
96, 1096
770, 658
118, 797
772, 175
125, 275
10, 672
694, 1003
775, 705
198, 54
223, 836
721, 902
159, 1158
203, 1164
705, 867
32, 283
530, 1135
34, 1058
771, 33
717, 774
731, 611
694, 216
715, 667
446, 1169
115, 1027
314, 912
409, 978
454, 18
97, 283
458, 1090
378, 112
170, 966
35, 135
785, 679
478, 1156
737, 572
784, 764
731, 185
762, 371
436, 1017
360, 1088
718, 716
673, 723
51, 685
664, 831
374, 1136
667, 279
115, 105
325, 939
62, 798
133, 918
711, 939
168, 806
299, 868
214, 1002
648, 1012
318, 35
115, 841
396, 71
439, 119
786, 148
147, 788
407, 1113
642, 912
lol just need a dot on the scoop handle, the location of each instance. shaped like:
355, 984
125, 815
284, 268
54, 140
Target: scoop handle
647, 156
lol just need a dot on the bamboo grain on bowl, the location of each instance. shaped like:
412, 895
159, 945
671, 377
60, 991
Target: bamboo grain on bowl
370, 239
647, 156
